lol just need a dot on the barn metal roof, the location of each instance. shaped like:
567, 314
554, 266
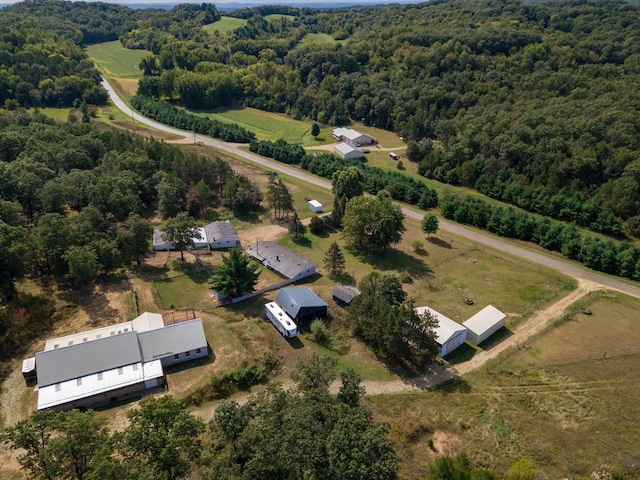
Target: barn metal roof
447, 328
172, 339
280, 259
292, 300
484, 320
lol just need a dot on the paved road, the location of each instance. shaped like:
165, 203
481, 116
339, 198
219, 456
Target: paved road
453, 228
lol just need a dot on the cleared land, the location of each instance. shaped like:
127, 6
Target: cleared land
319, 38
115, 60
225, 24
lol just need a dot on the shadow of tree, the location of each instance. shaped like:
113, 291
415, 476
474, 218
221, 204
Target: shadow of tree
393, 259
95, 302
439, 242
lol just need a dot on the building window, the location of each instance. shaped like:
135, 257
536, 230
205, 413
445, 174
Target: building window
198, 350
84, 339
119, 370
57, 387
55, 346
176, 357
113, 333
135, 367
98, 336
78, 382
126, 330
70, 342
99, 375
187, 354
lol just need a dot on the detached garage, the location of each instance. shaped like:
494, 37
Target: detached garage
346, 151
484, 324
449, 334
302, 304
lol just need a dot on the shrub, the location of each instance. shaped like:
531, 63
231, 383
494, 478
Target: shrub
319, 331
317, 225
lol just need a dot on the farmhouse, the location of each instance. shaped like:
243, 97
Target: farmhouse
314, 206
282, 260
353, 137
302, 304
484, 324
160, 244
343, 295
221, 235
345, 151
449, 334
109, 364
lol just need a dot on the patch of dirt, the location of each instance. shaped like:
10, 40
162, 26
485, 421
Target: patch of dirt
265, 233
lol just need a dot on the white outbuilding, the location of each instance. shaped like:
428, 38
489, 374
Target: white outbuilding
449, 334
345, 151
315, 206
484, 324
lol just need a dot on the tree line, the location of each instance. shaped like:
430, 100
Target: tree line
302, 432
616, 258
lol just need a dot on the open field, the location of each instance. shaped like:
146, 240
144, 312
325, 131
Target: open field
114, 59
319, 38
225, 24
277, 16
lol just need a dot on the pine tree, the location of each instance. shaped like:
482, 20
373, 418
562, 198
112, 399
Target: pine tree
334, 260
236, 275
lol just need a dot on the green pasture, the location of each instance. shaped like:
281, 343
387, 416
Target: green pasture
60, 114
113, 59
270, 126
318, 38
225, 24
277, 16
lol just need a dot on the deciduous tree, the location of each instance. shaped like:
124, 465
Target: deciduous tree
429, 224
180, 232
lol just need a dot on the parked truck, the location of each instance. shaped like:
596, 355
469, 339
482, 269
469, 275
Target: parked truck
280, 320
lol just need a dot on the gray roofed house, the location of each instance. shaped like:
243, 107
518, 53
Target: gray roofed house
282, 260
221, 234
80, 359
343, 295
302, 304
176, 339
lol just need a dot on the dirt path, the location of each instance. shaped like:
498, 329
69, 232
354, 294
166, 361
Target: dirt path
532, 326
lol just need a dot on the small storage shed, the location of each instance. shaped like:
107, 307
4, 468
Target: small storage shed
484, 324
315, 206
345, 151
449, 334
221, 234
302, 304
343, 295
29, 369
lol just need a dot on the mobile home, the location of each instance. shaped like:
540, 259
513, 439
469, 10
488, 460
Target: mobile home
280, 320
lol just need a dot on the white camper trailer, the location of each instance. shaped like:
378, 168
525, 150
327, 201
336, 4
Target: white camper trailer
280, 320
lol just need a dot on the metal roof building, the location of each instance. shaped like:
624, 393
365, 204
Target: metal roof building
484, 324
221, 234
159, 243
302, 304
449, 334
344, 150
282, 260
111, 363
343, 295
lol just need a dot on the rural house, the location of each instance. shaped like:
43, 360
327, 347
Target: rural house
484, 324
301, 304
353, 137
282, 260
109, 364
160, 244
345, 151
449, 334
221, 234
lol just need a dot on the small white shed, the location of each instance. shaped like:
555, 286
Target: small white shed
315, 206
484, 324
449, 334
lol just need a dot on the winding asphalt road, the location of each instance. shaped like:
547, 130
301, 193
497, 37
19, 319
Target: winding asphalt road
496, 243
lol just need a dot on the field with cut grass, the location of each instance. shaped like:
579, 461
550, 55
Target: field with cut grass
115, 60
277, 16
319, 38
225, 24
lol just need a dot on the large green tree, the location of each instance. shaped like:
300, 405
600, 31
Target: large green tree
372, 223
236, 275
279, 197
429, 224
334, 260
83, 265
180, 232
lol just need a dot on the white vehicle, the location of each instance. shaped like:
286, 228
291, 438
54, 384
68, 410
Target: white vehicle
280, 320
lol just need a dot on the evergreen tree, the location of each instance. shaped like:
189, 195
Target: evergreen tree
334, 260
236, 275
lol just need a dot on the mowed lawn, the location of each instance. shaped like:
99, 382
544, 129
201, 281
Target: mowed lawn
225, 24
115, 60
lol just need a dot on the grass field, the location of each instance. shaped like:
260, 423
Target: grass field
225, 24
277, 16
319, 38
113, 59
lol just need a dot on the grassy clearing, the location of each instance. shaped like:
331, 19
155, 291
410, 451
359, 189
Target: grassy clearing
319, 38
113, 59
59, 114
224, 25
277, 16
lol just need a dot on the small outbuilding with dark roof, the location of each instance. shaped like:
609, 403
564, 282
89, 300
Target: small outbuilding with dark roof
343, 295
302, 304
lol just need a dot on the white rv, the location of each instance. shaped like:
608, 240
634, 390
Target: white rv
280, 320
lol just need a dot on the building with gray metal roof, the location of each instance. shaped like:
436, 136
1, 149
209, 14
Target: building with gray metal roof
221, 234
302, 304
102, 369
282, 260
